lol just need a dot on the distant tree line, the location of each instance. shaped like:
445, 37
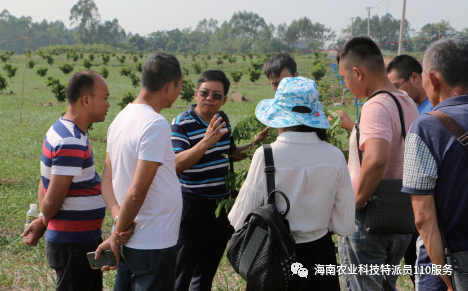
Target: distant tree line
245, 31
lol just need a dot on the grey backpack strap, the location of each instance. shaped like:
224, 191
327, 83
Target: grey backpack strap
269, 171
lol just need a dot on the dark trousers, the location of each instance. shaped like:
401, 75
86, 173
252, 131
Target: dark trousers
70, 262
145, 270
321, 251
202, 241
410, 255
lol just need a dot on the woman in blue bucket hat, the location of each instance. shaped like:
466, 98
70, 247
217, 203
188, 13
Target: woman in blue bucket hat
311, 172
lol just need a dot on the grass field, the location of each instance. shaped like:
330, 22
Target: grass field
25, 268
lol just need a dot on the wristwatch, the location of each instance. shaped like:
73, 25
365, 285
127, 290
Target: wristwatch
115, 219
361, 207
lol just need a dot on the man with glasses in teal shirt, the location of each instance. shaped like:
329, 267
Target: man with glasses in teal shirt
404, 72
201, 139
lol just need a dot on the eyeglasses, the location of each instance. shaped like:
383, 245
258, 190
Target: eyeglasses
404, 81
215, 96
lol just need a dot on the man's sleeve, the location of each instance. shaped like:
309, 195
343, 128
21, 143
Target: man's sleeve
179, 138
68, 157
420, 167
375, 122
153, 141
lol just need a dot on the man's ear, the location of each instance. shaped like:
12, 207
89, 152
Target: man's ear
415, 78
224, 100
358, 73
297, 74
434, 80
86, 100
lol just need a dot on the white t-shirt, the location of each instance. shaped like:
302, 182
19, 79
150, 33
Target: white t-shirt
139, 133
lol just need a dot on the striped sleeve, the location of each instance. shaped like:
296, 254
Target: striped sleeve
179, 138
69, 157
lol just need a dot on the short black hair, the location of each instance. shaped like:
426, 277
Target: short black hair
449, 57
214, 75
159, 69
404, 66
276, 64
362, 51
81, 83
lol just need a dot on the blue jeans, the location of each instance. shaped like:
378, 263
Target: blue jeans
142, 270
366, 249
426, 282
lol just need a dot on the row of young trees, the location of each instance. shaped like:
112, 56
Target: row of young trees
244, 31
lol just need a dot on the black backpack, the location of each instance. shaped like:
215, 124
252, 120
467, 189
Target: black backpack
262, 251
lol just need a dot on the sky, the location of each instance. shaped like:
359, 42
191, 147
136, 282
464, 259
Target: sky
146, 16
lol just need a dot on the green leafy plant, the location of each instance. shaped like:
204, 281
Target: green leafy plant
243, 57
208, 57
5, 57
185, 72
81, 55
193, 57
135, 59
57, 88
91, 56
250, 55
134, 79
232, 59
104, 72
105, 59
3, 83
205, 64
225, 56
49, 60
197, 68
237, 75
10, 70
28, 53
66, 68
31, 64
139, 66
121, 59
219, 61
41, 71
74, 57
128, 98
125, 71
258, 64
318, 71
113, 54
86, 63
253, 74
188, 90
140, 55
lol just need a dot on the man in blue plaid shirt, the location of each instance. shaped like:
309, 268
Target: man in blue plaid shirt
436, 164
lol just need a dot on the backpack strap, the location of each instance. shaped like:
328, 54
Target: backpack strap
459, 132
228, 124
402, 121
269, 171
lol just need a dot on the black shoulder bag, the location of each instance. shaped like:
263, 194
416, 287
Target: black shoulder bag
459, 261
262, 251
388, 211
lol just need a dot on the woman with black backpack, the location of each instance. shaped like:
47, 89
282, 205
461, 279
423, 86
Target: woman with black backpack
311, 173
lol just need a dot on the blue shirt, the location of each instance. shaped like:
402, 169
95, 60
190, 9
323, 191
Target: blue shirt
437, 164
207, 177
424, 107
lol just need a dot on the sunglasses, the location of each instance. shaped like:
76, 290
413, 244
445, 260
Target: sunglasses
404, 81
215, 96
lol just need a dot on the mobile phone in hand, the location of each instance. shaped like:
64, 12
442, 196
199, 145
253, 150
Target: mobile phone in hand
106, 258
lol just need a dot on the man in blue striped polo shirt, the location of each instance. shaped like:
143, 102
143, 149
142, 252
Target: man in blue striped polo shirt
200, 138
